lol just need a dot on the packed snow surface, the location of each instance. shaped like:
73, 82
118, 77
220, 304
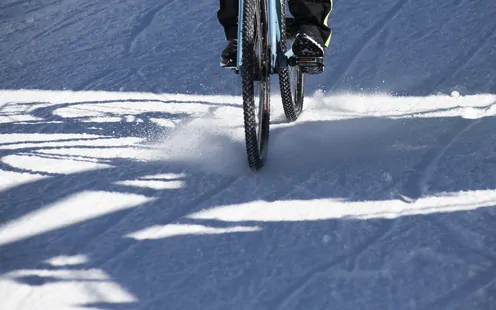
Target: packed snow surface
124, 181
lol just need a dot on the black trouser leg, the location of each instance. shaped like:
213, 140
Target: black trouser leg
228, 17
310, 16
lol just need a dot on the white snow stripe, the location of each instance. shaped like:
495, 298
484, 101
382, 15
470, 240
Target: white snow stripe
324, 209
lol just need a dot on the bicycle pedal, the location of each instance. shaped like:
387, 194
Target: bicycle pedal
309, 61
231, 67
308, 65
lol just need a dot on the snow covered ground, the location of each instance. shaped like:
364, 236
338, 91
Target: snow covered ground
124, 182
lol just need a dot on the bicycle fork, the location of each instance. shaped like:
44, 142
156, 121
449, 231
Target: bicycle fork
288, 59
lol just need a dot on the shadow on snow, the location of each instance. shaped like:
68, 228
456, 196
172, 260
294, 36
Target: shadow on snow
414, 261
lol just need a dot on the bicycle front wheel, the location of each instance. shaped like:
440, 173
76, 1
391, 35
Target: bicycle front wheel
255, 72
291, 79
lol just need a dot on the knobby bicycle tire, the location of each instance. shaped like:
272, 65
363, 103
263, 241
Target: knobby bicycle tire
292, 83
255, 70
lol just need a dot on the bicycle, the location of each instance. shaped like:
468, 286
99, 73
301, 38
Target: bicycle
263, 24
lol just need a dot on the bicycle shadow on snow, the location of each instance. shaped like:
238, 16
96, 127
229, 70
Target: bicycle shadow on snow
154, 252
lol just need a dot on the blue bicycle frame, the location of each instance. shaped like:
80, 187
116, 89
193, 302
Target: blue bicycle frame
274, 30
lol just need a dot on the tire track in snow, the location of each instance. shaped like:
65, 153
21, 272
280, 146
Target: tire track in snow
93, 80
463, 241
298, 186
297, 288
143, 24
366, 38
390, 228
11, 5
415, 182
36, 6
457, 295
462, 63
65, 22
43, 6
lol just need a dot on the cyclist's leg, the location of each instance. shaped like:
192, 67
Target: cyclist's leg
228, 17
310, 17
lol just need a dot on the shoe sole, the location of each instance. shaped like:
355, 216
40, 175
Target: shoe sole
228, 64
